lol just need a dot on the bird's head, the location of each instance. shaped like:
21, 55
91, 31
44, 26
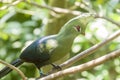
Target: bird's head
79, 23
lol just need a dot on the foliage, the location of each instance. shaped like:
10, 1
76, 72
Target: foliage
22, 23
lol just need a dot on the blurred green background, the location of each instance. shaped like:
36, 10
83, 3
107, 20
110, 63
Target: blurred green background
22, 23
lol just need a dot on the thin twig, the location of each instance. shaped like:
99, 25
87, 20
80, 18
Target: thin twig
11, 4
108, 19
83, 67
54, 9
14, 68
67, 11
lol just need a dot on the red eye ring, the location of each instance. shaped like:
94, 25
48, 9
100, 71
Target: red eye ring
78, 28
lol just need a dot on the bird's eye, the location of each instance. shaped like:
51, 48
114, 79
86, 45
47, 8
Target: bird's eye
78, 28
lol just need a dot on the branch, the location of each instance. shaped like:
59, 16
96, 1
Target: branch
108, 19
90, 50
14, 68
83, 54
54, 9
84, 66
68, 11
11, 4
87, 52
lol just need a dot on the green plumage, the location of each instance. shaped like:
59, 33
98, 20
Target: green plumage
49, 49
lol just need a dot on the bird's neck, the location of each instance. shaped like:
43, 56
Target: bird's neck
66, 36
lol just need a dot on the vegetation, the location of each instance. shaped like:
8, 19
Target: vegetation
23, 21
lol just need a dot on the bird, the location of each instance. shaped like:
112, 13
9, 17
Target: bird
49, 49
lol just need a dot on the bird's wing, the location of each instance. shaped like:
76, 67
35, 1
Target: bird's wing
32, 53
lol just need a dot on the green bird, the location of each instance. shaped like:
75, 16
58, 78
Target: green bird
49, 49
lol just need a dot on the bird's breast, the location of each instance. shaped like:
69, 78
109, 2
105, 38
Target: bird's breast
59, 52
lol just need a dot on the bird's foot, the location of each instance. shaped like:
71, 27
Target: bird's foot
42, 74
56, 67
